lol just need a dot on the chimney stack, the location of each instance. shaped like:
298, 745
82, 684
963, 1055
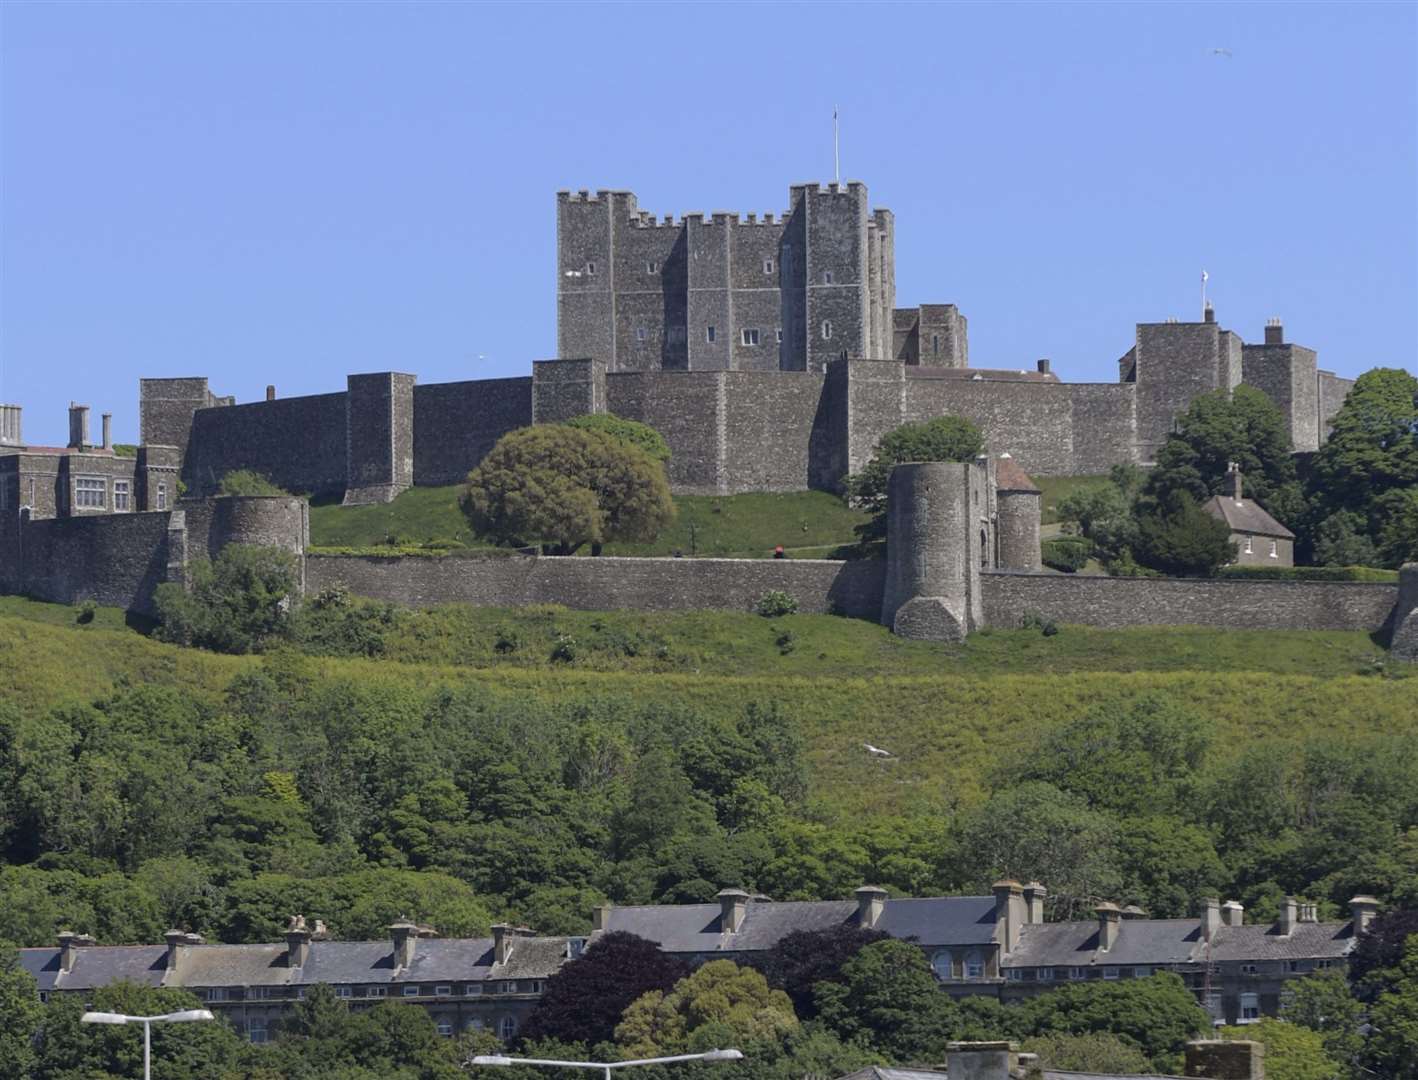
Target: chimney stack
1209, 315
1043, 367
1034, 894
600, 917
176, 939
270, 392
733, 906
1009, 914
10, 425
1132, 911
871, 902
405, 935
1210, 917
1110, 919
69, 944
78, 426
1289, 910
1274, 332
1363, 909
1225, 1059
1233, 470
107, 420
1232, 913
981, 1060
297, 942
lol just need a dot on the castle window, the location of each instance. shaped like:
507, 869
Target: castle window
780, 335
1248, 545
162, 496
935, 344
590, 269
122, 495
768, 266
826, 331
709, 334
641, 333
91, 492
827, 277
1274, 550
651, 266
750, 335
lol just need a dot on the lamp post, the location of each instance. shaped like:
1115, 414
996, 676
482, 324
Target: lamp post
607, 1066
184, 1017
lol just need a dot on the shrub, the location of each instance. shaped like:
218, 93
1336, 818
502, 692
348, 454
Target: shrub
238, 603
248, 482
506, 641
564, 651
1067, 553
1179, 538
787, 641
87, 610
776, 602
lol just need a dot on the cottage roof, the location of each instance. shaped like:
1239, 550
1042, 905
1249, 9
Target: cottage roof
1246, 516
97, 965
1175, 941
697, 928
1010, 477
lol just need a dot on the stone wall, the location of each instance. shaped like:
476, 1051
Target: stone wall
379, 437
299, 443
456, 424
1236, 605
598, 584
117, 560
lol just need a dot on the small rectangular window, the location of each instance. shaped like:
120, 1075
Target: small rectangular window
935, 344
1141, 972
122, 492
590, 269
651, 266
344, 991
1274, 550
641, 333
376, 991
445, 1029
1110, 973
750, 335
827, 277
507, 987
162, 496
472, 989
1250, 1007
91, 492
1248, 545
442, 991
826, 331
709, 334
768, 266
411, 991
1015, 974
779, 333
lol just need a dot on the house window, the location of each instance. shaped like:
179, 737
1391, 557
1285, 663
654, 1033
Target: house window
442, 991
539, 986
1110, 973
472, 988
1249, 969
162, 496
768, 266
974, 965
641, 333
750, 335
122, 495
779, 332
590, 269
826, 331
1212, 1005
91, 492
411, 991
1015, 974
216, 993
376, 991
344, 991
1141, 972
256, 1032
1047, 974
935, 344
651, 266
1248, 544
709, 334
941, 965
827, 277
1274, 550
507, 1028
445, 1029
507, 988
1250, 1007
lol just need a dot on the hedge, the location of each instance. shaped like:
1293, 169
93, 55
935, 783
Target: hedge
1310, 573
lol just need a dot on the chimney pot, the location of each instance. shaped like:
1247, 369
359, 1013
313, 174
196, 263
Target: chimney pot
1234, 470
1232, 913
733, 906
405, 935
1043, 367
107, 431
1274, 332
1209, 315
270, 392
1289, 909
297, 942
502, 935
78, 426
1363, 909
871, 902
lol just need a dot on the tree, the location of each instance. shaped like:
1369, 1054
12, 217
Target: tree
631, 432
567, 486
1380, 951
238, 603
1322, 1002
1180, 539
20, 1013
888, 998
584, 1000
946, 438
1392, 1051
1091, 1052
797, 962
721, 1004
1342, 540
1292, 1052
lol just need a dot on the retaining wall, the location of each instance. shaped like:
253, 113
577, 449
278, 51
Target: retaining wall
599, 584
1235, 605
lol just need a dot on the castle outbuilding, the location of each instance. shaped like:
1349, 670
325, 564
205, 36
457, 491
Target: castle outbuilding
1260, 540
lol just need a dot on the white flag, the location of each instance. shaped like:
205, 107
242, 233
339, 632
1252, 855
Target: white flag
1205, 277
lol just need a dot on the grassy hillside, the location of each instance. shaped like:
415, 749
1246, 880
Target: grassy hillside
953, 717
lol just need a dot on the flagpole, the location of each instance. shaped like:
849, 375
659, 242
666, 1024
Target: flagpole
1203, 295
836, 155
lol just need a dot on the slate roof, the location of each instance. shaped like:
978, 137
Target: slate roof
1055, 1074
1245, 516
695, 928
334, 962
882, 1072
1174, 941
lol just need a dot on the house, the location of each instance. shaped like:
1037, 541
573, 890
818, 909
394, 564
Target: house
464, 983
1260, 540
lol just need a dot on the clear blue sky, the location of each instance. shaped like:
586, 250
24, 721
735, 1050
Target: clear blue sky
287, 193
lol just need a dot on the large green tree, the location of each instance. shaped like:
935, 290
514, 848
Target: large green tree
238, 603
1292, 1052
888, 998
1176, 537
631, 432
721, 1004
946, 438
20, 1013
569, 487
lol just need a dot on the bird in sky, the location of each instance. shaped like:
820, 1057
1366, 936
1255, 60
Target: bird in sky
876, 751
1218, 51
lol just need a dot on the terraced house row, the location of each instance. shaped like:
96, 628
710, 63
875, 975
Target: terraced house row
999, 945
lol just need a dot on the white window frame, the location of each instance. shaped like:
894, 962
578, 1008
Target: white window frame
1014, 974
445, 1029
98, 487
942, 959
443, 990
1110, 973
214, 993
974, 965
1275, 549
826, 329
411, 990
472, 989
651, 266
344, 991
768, 266
1141, 972
507, 986
1249, 550
122, 496
749, 336
162, 495
1248, 1011
591, 268
377, 991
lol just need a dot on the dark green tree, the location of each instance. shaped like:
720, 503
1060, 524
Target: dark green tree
631, 432
797, 962
20, 1013
238, 603
1322, 1002
946, 438
888, 998
1178, 538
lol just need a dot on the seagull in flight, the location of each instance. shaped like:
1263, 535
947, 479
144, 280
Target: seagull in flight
876, 751
1218, 51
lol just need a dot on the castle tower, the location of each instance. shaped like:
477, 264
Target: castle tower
1173, 363
1288, 375
1018, 509
585, 287
838, 276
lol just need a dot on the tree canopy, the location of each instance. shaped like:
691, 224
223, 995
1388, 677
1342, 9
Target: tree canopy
721, 1004
567, 486
946, 438
631, 432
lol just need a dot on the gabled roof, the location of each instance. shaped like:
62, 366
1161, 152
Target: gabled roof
1306, 941
1246, 516
1175, 941
1010, 477
696, 928
97, 965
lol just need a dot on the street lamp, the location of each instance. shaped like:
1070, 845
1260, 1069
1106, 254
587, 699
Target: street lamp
184, 1017
711, 1055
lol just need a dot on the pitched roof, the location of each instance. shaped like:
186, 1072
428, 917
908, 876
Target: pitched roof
884, 1072
1306, 941
1246, 516
1174, 941
696, 928
1010, 477
97, 965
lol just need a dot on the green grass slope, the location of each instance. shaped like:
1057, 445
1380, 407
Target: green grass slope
953, 717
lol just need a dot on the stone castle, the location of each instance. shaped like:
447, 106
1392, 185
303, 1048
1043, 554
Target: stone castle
769, 353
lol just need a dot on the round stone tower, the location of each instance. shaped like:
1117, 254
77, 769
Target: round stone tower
1018, 503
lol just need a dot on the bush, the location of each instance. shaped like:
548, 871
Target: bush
787, 641
1067, 553
248, 482
776, 602
87, 610
1310, 573
631, 432
564, 651
946, 438
335, 624
238, 603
